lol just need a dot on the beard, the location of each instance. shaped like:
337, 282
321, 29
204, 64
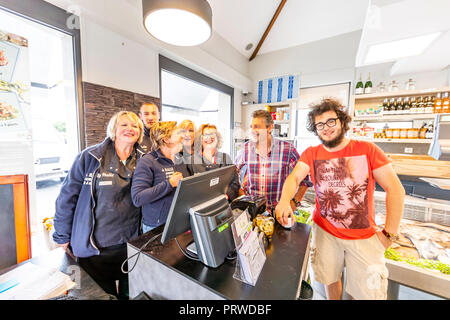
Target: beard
336, 141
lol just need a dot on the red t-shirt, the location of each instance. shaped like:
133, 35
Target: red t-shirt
344, 186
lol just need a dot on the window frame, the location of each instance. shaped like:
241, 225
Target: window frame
51, 16
178, 69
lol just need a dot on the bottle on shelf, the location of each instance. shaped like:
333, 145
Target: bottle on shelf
385, 106
430, 132
393, 104
429, 107
445, 103
437, 103
422, 131
368, 85
385, 129
420, 105
406, 106
359, 86
399, 106
413, 104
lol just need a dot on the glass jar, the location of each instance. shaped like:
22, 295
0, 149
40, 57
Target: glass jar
381, 87
396, 133
413, 133
410, 85
404, 133
393, 87
389, 133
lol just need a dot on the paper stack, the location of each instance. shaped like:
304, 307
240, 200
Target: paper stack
33, 282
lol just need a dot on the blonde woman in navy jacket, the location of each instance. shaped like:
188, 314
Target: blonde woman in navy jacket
95, 216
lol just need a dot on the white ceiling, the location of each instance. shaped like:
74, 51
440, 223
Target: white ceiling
242, 22
406, 19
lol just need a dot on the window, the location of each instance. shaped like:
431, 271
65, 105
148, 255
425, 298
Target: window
186, 94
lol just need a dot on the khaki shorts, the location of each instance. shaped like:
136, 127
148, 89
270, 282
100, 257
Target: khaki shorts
366, 272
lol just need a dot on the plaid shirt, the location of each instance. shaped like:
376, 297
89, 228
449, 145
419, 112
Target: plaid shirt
266, 176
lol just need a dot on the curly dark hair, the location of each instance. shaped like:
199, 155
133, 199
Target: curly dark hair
328, 105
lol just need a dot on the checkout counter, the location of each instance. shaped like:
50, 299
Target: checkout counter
163, 272
161, 265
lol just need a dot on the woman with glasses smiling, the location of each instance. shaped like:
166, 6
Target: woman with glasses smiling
208, 157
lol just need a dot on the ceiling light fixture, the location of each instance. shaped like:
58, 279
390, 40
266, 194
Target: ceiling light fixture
393, 50
178, 22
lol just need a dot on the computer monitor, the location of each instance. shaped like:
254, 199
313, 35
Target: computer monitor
191, 192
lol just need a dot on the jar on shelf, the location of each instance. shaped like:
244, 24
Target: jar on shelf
389, 133
403, 133
413, 133
393, 87
396, 133
381, 87
410, 85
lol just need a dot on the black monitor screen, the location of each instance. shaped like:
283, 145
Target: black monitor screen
192, 191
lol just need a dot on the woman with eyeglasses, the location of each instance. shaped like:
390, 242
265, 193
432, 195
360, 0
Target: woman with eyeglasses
208, 157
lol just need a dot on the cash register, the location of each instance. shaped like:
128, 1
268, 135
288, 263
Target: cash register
201, 206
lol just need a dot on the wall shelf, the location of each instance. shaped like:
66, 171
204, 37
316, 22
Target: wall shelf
395, 140
397, 117
403, 164
281, 121
402, 93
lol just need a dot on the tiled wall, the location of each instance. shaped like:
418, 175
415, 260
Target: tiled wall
100, 103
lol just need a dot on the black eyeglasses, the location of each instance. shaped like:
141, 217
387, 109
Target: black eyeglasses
330, 123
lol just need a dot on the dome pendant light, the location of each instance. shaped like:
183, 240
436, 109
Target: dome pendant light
178, 22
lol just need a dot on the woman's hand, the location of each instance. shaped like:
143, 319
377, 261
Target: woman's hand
283, 212
64, 245
175, 178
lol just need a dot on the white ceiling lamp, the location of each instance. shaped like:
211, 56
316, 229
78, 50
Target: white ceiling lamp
178, 22
393, 50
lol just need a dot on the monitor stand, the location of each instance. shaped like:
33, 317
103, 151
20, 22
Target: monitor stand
192, 249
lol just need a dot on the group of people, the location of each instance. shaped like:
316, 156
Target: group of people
125, 185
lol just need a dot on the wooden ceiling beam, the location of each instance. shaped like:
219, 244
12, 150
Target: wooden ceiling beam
274, 18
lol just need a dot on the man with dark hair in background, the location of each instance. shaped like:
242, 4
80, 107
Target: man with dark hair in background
149, 114
266, 162
344, 232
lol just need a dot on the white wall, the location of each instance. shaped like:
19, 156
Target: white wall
112, 60
326, 61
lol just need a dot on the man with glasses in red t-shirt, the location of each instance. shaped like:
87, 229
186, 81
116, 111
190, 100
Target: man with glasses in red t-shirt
344, 232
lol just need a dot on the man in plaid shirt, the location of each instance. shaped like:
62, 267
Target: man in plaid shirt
266, 162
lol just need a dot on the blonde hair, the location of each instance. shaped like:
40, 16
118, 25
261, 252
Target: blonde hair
185, 124
112, 124
199, 133
160, 131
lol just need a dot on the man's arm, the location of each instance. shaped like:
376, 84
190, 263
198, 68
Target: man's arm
386, 177
283, 210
